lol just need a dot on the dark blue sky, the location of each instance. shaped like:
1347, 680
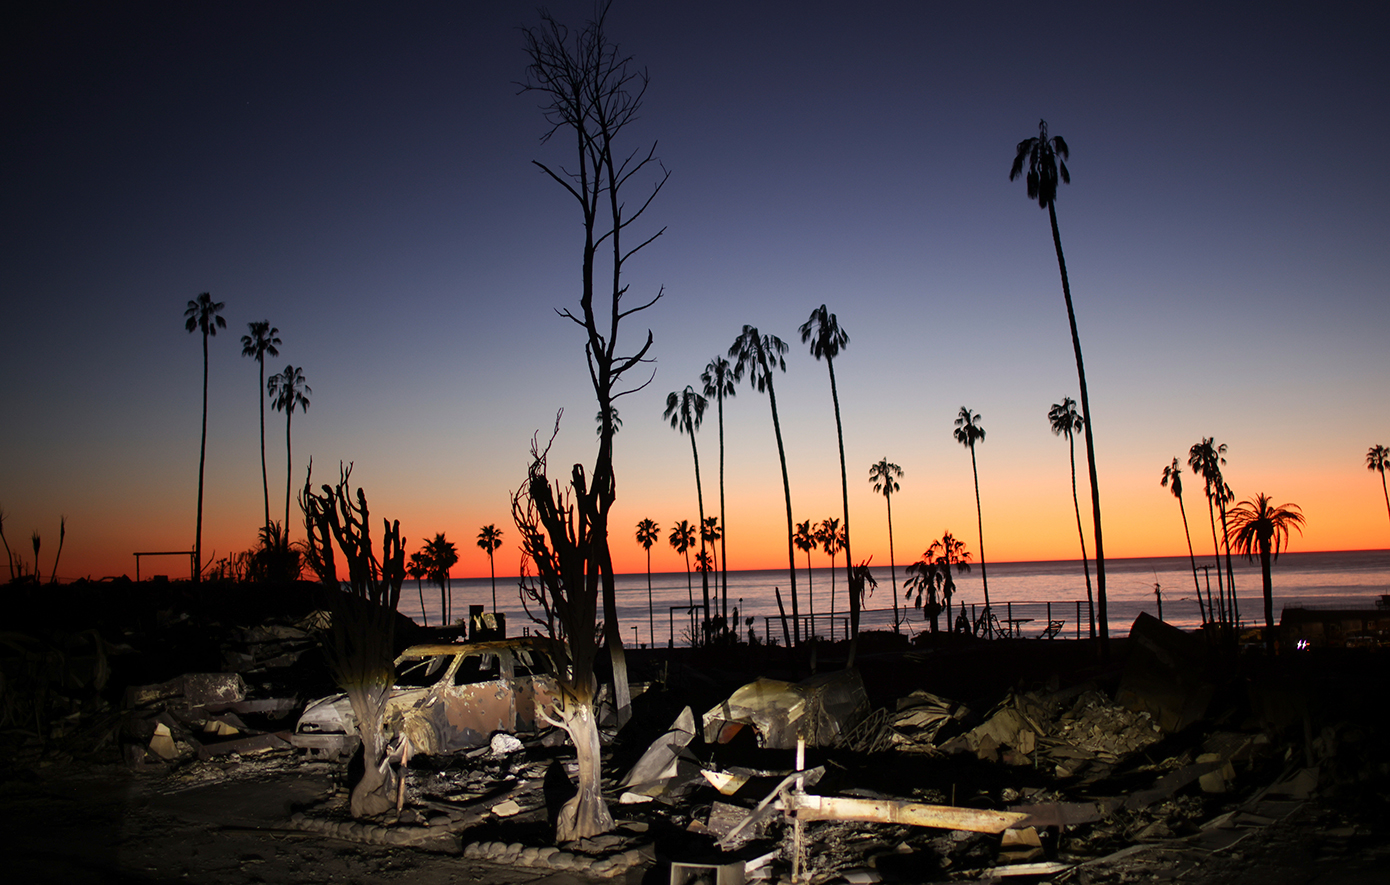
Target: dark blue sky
360, 175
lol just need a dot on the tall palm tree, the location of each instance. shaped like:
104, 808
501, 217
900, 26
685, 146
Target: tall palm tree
832, 540
946, 551
1257, 524
489, 539
260, 343
647, 533
718, 379
884, 476
1041, 154
1172, 478
685, 411
205, 315
1377, 460
822, 331
756, 355
709, 533
805, 540
417, 569
1065, 421
287, 393
682, 538
441, 555
968, 432
1206, 458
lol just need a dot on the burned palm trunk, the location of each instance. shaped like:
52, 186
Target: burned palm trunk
360, 645
559, 536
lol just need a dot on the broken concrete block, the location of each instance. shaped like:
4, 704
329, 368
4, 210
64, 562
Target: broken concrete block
503, 744
1164, 675
1215, 781
162, 744
506, 808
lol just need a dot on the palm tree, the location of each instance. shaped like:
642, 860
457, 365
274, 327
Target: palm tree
805, 540
205, 315
832, 540
718, 379
440, 555
1043, 167
685, 411
682, 538
262, 341
647, 533
489, 539
709, 533
417, 569
1377, 460
1065, 421
1206, 458
946, 551
925, 579
822, 331
1172, 478
756, 356
1258, 524
968, 432
288, 392
617, 422
884, 476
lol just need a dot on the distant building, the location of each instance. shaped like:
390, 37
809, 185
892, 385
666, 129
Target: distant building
1336, 627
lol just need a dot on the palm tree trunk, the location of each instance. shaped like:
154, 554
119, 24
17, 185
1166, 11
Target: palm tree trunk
1193, 557
1216, 547
1230, 573
980, 529
1076, 504
787, 493
1386, 492
810, 596
892, 566
492, 570
202, 462
289, 469
700, 499
420, 589
723, 524
1269, 595
651, 618
265, 482
849, 557
1090, 441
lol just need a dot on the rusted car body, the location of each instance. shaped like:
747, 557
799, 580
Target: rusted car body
449, 697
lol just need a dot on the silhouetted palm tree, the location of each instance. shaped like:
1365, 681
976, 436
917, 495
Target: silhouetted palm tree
647, 533
822, 331
718, 379
685, 411
805, 540
884, 476
1206, 458
260, 343
756, 356
924, 579
489, 539
617, 422
946, 551
441, 555
287, 393
1258, 524
1377, 460
832, 540
1172, 478
1065, 421
709, 533
417, 569
1041, 155
203, 314
682, 538
968, 432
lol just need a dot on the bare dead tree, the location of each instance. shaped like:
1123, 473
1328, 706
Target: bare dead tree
590, 93
360, 645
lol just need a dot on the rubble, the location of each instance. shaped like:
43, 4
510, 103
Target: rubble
821, 710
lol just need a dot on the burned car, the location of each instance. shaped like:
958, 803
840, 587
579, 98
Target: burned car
447, 697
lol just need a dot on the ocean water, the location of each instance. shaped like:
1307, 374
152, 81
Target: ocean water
1037, 591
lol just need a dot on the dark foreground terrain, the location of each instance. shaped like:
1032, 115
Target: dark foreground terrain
1171, 762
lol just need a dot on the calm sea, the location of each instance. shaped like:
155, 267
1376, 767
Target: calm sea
1037, 591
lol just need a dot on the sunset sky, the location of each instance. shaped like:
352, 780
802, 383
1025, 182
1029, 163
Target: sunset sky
360, 175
